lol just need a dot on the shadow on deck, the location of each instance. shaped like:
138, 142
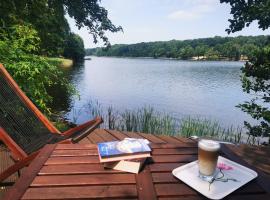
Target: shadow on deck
255, 156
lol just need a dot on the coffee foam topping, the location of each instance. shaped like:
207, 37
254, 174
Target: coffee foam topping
209, 145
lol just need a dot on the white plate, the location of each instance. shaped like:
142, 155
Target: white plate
189, 174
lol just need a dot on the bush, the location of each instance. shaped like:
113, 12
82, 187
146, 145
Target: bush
19, 47
74, 47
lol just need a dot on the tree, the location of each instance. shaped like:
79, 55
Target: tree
212, 54
249, 49
31, 28
256, 72
48, 18
74, 47
200, 50
186, 52
33, 73
246, 11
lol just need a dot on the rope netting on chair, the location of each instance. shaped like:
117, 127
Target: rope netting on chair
20, 122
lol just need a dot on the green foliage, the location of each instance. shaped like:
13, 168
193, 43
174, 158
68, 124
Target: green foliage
89, 14
212, 129
244, 12
74, 47
48, 18
206, 48
33, 73
256, 72
255, 80
148, 120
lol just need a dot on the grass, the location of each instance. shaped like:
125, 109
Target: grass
62, 62
147, 120
207, 128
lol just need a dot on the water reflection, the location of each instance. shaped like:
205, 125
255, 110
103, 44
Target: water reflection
206, 89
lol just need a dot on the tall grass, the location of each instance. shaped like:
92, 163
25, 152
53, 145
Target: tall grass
208, 128
148, 120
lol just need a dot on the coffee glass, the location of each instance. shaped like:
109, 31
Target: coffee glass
208, 152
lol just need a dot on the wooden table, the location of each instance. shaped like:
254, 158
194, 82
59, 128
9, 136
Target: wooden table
67, 171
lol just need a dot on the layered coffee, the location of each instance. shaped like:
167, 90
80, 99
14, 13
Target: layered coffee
208, 156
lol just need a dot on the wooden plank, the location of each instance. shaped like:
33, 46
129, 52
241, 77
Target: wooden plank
174, 158
105, 135
82, 192
6, 162
85, 141
3, 190
132, 134
254, 156
75, 146
119, 135
181, 151
95, 138
170, 139
68, 152
171, 146
174, 190
183, 198
17, 191
72, 160
263, 179
152, 138
185, 140
75, 169
164, 178
251, 187
17, 152
249, 197
89, 179
145, 185
164, 167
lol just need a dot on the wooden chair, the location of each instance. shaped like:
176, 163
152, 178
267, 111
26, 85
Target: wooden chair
24, 129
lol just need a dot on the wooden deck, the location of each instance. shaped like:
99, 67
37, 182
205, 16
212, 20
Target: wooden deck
254, 156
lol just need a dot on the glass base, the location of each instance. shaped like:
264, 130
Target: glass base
208, 178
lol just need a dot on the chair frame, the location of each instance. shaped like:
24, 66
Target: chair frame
17, 152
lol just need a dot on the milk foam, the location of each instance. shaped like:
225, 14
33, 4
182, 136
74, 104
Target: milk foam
209, 145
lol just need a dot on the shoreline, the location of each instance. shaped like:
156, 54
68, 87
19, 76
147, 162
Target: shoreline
165, 58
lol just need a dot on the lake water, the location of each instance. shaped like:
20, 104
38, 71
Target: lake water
206, 89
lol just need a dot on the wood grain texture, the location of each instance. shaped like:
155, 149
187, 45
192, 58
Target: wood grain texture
175, 151
73, 152
173, 158
27, 177
145, 185
152, 138
87, 179
119, 135
105, 135
174, 189
75, 146
73, 171
79, 192
72, 160
89, 168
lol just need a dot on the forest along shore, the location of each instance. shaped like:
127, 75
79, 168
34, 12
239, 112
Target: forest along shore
215, 48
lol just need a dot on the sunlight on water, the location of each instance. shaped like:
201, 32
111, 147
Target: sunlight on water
208, 89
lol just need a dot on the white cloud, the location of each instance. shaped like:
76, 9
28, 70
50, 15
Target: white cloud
196, 9
181, 14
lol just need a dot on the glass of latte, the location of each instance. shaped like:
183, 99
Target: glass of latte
208, 152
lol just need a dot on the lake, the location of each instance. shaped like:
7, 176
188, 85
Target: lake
205, 89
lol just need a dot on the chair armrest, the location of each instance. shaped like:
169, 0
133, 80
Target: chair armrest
96, 121
77, 137
17, 166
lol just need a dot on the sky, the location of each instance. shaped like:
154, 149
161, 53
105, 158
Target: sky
163, 20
